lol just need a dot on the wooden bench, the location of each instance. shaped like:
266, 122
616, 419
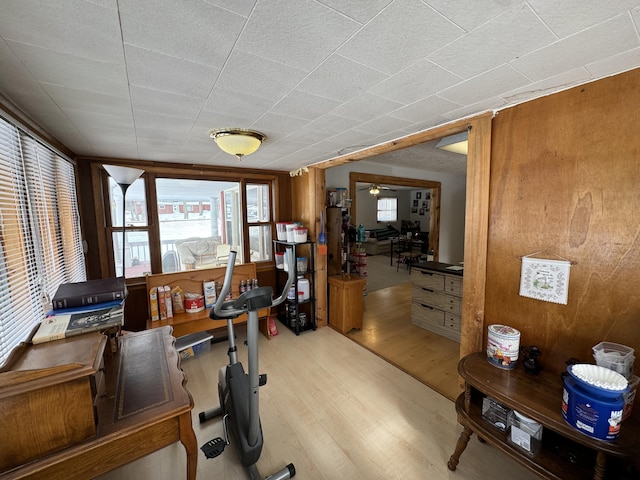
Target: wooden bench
191, 281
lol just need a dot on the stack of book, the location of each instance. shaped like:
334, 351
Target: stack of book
94, 305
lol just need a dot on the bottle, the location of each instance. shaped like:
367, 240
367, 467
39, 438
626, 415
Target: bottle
360, 233
242, 287
255, 284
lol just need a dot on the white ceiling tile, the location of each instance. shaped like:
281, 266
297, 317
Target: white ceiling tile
241, 7
312, 32
71, 98
304, 105
169, 74
429, 109
403, 33
418, 81
162, 127
367, 107
247, 73
239, 105
553, 84
76, 27
73, 72
513, 34
615, 64
487, 85
470, 14
148, 100
571, 16
198, 31
341, 79
15, 76
362, 11
84, 121
381, 125
278, 123
597, 43
475, 108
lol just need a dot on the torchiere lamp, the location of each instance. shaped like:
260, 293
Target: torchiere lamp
124, 177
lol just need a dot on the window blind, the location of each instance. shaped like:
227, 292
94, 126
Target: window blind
40, 240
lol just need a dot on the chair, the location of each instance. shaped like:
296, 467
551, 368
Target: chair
406, 254
222, 253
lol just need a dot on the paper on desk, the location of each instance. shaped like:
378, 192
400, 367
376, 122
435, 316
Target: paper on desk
455, 267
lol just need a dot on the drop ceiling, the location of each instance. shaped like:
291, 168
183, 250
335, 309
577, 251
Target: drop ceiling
148, 79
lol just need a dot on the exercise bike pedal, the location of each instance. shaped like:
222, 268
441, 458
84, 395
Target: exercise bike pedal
262, 380
214, 447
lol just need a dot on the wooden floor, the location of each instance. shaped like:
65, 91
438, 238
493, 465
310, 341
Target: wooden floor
387, 331
335, 410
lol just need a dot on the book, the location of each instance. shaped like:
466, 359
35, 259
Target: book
86, 308
79, 294
59, 326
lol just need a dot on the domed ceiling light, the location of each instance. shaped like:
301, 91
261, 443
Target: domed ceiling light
237, 141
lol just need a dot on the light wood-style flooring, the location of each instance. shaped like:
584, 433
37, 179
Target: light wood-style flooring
387, 331
335, 410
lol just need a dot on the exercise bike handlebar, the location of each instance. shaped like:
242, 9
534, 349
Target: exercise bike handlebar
235, 307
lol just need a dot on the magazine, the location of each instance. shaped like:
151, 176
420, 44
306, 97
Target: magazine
56, 327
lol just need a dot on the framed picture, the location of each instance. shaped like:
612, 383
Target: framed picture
418, 195
415, 203
421, 212
425, 203
414, 210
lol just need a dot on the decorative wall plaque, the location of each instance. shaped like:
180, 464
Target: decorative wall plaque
545, 279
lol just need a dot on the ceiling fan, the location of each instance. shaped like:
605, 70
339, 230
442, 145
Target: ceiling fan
374, 188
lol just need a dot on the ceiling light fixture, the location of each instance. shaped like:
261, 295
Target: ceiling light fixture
457, 143
374, 190
237, 141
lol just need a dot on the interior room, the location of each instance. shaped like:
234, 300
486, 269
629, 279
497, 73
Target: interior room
208, 161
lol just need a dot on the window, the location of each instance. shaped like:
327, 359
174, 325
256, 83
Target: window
260, 222
387, 209
200, 235
40, 238
137, 259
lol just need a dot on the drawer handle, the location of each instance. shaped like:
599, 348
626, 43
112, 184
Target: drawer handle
426, 273
427, 306
427, 290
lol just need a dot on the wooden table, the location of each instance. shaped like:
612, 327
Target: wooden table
146, 407
538, 397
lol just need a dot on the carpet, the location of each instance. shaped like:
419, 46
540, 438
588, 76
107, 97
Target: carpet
382, 275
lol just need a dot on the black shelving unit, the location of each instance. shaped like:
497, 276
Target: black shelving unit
289, 311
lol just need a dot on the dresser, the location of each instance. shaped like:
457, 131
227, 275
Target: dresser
436, 298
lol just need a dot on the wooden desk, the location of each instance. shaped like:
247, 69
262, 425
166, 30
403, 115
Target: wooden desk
146, 408
538, 397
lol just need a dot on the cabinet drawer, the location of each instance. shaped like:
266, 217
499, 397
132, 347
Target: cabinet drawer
426, 316
435, 299
453, 285
427, 279
452, 322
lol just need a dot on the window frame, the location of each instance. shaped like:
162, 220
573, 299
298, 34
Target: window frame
378, 209
154, 172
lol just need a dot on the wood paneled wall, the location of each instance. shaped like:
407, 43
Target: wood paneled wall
565, 179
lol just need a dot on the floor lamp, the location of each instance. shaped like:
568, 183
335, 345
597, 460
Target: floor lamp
124, 177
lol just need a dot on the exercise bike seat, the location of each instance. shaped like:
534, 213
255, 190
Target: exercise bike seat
261, 297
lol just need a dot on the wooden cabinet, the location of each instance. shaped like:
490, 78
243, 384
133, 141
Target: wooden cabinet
346, 302
565, 452
436, 299
48, 397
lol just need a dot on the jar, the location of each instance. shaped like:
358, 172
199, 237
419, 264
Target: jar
304, 291
280, 260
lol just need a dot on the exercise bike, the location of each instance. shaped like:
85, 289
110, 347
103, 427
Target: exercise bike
238, 391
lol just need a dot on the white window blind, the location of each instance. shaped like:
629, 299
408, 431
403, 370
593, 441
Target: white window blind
387, 209
40, 240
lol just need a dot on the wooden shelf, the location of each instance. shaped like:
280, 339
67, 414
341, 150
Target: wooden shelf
538, 397
191, 281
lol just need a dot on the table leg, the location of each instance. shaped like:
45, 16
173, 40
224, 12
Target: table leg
601, 465
463, 440
391, 253
190, 443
